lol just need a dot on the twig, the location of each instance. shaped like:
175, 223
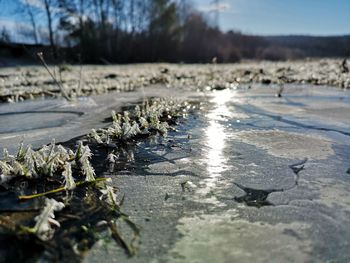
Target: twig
42, 60
80, 80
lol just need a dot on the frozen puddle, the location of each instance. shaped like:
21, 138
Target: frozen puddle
38, 122
269, 188
250, 177
223, 238
299, 145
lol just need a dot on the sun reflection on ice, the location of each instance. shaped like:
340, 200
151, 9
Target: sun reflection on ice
215, 141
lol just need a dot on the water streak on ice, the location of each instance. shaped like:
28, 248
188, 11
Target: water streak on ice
215, 138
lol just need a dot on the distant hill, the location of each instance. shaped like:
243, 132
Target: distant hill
313, 46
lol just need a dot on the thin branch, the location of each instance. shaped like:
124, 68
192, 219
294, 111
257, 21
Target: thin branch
42, 60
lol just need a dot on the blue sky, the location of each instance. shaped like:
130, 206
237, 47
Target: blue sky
276, 17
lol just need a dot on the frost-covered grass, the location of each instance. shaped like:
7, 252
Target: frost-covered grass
152, 117
55, 165
17, 84
46, 219
51, 161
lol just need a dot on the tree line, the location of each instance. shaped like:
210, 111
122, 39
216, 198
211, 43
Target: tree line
127, 31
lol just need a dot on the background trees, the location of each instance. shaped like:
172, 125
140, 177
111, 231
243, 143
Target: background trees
127, 31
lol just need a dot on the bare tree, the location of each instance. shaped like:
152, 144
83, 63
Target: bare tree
5, 36
48, 4
30, 10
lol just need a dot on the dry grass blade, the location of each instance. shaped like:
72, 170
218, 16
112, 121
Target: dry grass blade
60, 189
63, 91
120, 240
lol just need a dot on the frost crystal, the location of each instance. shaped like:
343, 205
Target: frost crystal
109, 195
43, 227
68, 178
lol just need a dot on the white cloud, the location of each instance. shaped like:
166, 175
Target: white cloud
14, 29
220, 7
39, 4
20, 32
34, 3
12, 25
